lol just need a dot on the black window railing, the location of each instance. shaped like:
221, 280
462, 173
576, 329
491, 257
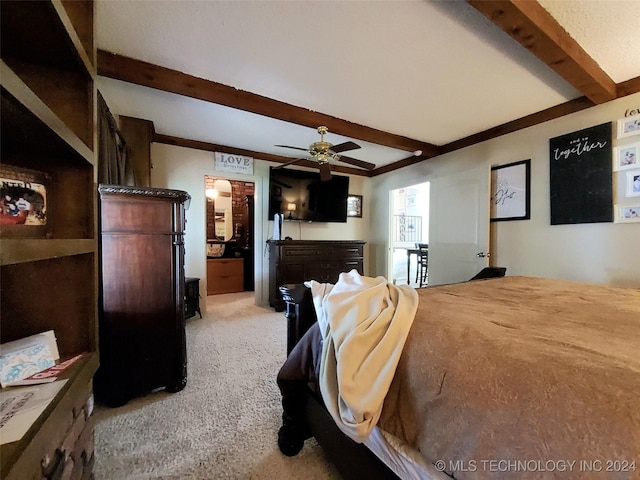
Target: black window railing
407, 228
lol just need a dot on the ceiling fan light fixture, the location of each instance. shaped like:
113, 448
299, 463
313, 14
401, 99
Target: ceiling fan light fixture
322, 153
323, 156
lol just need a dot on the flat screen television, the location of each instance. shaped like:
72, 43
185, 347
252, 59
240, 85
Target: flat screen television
301, 195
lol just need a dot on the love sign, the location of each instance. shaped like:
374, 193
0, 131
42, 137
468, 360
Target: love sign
225, 162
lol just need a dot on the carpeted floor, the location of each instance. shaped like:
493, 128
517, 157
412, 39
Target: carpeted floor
224, 424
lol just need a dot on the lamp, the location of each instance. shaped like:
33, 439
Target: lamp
292, 208
211, 193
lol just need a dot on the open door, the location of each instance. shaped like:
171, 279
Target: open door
459, 226
408, 226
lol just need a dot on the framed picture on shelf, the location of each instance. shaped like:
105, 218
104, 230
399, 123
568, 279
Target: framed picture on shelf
627, 213
628, 126
510, 196
626, 157
23, 197
354, 206
633, 183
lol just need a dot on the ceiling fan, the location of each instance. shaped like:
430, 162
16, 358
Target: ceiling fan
321, 152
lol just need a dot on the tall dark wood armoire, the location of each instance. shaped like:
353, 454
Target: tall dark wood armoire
142, 310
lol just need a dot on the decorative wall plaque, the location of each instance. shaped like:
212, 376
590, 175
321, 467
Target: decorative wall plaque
580, 176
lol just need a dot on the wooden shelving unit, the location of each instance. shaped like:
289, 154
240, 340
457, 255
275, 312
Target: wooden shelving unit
49, 273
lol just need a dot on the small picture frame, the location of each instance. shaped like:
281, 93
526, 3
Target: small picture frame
627, 213
633, 184
510, 191
626, 157
354, 206
410, 201
23, 201
628, 126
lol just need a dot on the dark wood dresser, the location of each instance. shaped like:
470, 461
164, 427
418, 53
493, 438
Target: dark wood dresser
296, 261
142, 307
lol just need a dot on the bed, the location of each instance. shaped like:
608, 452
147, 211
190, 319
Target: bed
509, 378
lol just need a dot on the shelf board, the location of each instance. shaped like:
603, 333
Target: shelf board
20, 250
31, 110
82, 15
44, 35
72, 32
24, 455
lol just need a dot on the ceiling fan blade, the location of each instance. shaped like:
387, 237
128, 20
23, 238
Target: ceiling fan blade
295, 148
325, 171
287, 163
343, 147
357, 163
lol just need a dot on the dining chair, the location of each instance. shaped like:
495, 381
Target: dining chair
423, 264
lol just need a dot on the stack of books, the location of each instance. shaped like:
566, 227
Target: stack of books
29, 371
28, 356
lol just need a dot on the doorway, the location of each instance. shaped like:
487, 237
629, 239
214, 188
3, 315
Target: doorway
230, 222
409, 225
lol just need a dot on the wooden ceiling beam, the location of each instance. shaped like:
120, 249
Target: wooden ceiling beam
154, 76
535, 29
572, 106
629, 87
212, 147
561, 110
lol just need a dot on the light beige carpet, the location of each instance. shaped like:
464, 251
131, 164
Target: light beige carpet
224, 424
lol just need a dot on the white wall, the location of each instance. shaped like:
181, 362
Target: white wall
605, 253
185, 169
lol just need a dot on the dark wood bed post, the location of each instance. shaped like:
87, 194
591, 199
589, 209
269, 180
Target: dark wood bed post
299, 312
353, 460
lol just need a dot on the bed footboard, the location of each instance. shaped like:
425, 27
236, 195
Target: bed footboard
304, 414
299, 312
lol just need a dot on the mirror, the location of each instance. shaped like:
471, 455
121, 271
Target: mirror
220, 209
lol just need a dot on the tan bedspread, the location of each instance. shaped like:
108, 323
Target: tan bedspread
522, 378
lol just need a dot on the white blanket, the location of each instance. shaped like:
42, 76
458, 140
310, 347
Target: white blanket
364, 323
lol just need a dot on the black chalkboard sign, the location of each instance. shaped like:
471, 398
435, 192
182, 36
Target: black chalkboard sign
580, 176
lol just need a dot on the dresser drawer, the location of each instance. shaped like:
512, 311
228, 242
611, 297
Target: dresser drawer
328, 271
225, 275
295, 253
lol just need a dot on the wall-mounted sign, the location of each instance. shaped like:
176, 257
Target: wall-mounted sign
580, 176
226, 162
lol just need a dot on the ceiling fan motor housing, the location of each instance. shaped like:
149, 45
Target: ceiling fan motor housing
321, 152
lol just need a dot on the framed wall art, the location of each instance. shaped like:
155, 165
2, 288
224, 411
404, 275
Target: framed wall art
410, 201
628, 126
23, 197
354, 206
626, 157
633, 183
510, 191
627, 213
580, 176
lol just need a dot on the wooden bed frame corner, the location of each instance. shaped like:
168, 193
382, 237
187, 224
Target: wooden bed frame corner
354, 461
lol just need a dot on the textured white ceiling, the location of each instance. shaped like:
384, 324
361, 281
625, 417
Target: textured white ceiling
609, 31
432, 71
